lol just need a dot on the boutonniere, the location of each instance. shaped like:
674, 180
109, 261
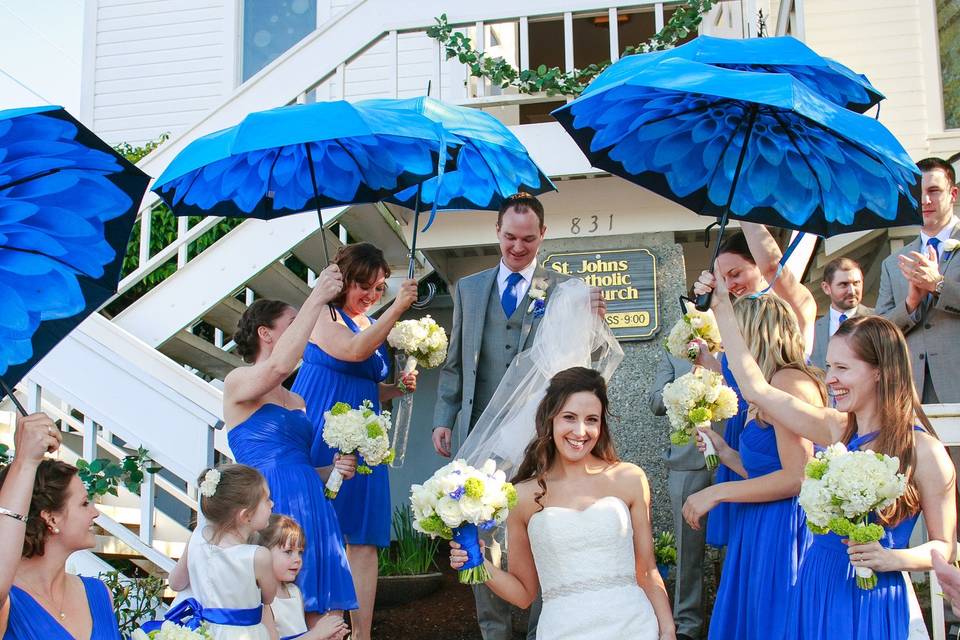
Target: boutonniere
950, 245
538, 297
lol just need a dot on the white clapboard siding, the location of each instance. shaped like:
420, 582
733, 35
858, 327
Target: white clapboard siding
368, 75
882, 39
159, 65
416, 55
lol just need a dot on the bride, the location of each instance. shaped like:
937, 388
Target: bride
580, 532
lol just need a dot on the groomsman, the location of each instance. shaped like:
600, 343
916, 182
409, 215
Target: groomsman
843, 285
686, 474
920, 288
491, 325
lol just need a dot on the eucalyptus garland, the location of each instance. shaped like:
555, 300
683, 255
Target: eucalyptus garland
552, 80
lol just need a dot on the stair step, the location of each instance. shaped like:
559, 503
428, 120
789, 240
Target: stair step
204, 356
310, 251
109, 547
279, 283
225, 315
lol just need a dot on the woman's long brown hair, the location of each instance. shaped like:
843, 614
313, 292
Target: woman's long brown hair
879, 343
541, 453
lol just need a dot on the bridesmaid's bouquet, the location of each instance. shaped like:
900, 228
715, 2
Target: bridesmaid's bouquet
360, 430
694, 325
842, 488
693, 401
170, 631
457, 502
423, 341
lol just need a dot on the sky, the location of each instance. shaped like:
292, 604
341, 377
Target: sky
40, 53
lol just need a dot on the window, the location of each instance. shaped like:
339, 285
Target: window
270, 27
948, 28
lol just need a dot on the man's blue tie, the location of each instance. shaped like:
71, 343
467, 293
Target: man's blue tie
935, 243
843, 318
509, 298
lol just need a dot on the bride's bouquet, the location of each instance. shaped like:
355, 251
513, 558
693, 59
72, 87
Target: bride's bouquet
693, 401
422, 342
459, 500
842, 488
694, 325
360, 430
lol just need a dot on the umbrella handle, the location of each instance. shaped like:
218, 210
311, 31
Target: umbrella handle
425, 301
9, 392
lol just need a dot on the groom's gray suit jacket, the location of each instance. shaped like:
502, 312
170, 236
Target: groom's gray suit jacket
483, 342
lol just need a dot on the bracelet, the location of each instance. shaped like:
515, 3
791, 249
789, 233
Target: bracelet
13, 514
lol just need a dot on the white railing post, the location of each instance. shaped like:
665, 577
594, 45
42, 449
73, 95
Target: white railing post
480, 45
524, 43
146, 223
89, 438
248, 296
341, 81
182, 229
614, 34
218, 337
208, 448
34, 397
148, 496
394, 42
568, 42
436, 87
658, 17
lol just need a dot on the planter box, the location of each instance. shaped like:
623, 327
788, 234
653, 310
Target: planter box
397, 590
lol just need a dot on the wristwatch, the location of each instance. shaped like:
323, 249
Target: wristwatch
939, 287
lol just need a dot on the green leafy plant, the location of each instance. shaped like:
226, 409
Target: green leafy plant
665, 548
5, 456
103, 476
412, 554
135, 600
552, 80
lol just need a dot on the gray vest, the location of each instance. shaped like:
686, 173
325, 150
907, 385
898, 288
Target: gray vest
498, 345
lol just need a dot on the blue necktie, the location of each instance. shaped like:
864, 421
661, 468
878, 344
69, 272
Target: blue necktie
509, 298
935, 243
843, 318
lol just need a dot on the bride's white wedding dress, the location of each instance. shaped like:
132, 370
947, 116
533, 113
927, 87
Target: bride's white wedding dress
586, 566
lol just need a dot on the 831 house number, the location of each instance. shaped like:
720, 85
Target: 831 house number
591, 224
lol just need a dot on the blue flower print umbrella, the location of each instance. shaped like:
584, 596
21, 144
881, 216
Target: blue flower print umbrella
760, 147
781, 54
300, 157
67, 205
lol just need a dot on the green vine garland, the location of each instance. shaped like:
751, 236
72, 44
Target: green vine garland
551, 80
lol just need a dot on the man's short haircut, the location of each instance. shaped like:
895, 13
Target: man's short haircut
521, 202
839, 264
929, 164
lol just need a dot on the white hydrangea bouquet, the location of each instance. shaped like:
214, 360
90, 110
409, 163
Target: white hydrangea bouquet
842, 488
693, 401
420, 342
170, 631
423, 341
694, 325
360, 430
457, 502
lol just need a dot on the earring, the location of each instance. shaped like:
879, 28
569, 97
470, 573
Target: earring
54, 530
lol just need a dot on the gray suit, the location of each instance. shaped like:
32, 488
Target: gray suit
821, 336
483, 343
933, 334
686, 474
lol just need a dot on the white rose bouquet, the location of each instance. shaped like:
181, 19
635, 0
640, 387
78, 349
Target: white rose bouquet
360, 430
171, 631
693, 401
459, 500
692, 326
423, 341
842, 488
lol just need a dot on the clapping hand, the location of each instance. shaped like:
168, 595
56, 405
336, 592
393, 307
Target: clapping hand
36, 436
346, 464
921, 269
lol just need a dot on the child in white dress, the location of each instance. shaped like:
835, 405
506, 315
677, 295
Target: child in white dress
229, 579
285, 540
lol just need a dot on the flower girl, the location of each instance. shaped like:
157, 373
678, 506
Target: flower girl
285, 540
230, 580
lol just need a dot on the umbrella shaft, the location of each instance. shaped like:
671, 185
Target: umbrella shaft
8, 391
416, 230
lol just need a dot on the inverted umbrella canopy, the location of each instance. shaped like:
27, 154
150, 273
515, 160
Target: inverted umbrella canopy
492, 163
781, 54
300, 157
760, 147
67, 205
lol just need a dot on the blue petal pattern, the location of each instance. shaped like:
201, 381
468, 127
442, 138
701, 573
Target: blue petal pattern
491, 165
60, 234
677, 127
782, 54
260, 168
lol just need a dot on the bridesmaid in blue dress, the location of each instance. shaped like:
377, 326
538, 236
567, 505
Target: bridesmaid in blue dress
877, 409
768, 534
346, 361
268, 429
45, 515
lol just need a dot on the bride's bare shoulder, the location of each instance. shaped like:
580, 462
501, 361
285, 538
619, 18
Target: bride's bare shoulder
627, 471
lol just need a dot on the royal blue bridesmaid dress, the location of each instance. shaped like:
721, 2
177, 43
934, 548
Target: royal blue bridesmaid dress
827, 604
29, 621
363, 504
766, 543
276, 441
718, 522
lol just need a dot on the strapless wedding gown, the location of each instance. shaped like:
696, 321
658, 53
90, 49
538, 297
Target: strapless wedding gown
586, 566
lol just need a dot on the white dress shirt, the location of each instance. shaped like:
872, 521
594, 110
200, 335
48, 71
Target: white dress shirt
522, 286
943, 236
835, 318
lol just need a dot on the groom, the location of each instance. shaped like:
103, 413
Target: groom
495, 317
